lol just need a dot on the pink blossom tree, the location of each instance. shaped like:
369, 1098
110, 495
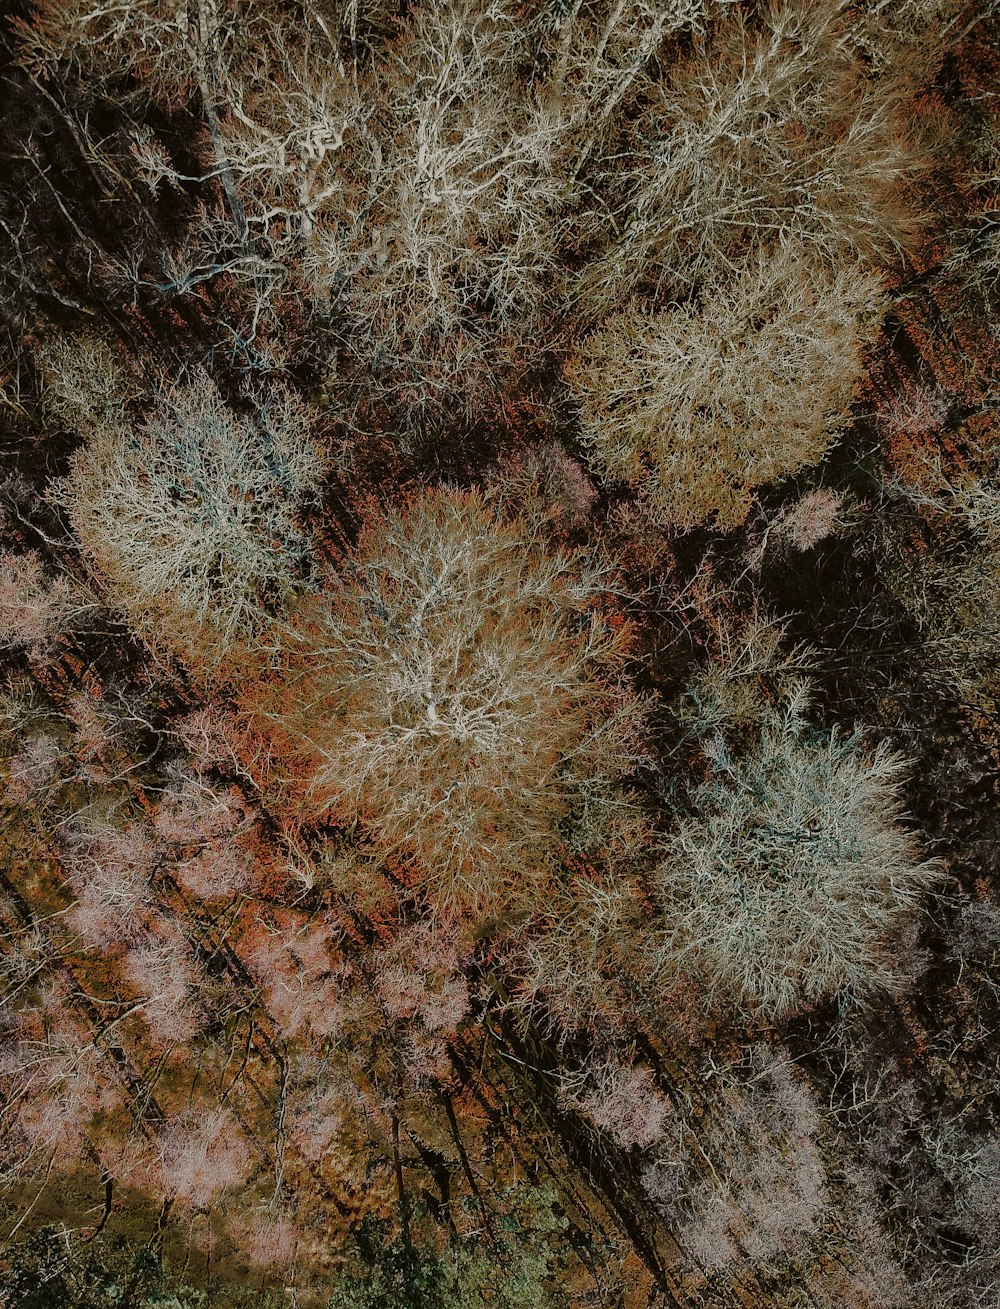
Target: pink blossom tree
202, 1154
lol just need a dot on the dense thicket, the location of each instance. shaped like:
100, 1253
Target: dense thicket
499, 603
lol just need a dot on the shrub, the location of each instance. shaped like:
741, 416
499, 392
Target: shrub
510, 1271
696, 406
33, 770
462, 693
544, 482
267, 1240
191, 520
163, 971
418, 979
57, 1267
209, 835
297, 974
784, 883
575, 962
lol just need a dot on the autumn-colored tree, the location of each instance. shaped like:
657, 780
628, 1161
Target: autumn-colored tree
461, 694
696, 406
544, 482
266, 1239
56, 1081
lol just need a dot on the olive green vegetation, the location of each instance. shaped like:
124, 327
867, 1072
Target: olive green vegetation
54, 1269
505, 1265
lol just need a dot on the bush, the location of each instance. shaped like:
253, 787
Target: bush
784, 883
462, 693
190, 521
696, 406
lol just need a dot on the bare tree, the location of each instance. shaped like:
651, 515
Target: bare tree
419, 191
912, 37
597, 60
86, 385
785, 881
747, 1182
461, 693
190, 520
696, 406
35, 612
446, 245
761, 136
